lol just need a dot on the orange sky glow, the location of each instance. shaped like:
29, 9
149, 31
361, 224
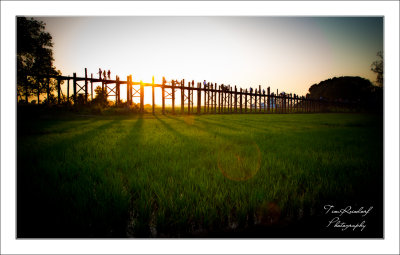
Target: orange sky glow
286, 53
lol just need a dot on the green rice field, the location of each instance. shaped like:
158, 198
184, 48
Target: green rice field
228, 175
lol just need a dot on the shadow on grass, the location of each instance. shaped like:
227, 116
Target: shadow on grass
169, 128
41, 201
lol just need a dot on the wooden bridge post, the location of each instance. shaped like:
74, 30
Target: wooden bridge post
192, 97
245, 101
189, 97
271, 102
268, 99
276, 102
173, 97
251, 99
205, 90
182, 97
153, 101
227, 96
300, 102
163, 95
303, 105
86, 86
193, 89
297, 103
221, 94
74, 85
205, 96
199, 98
128, 84
91, 87
240, 101
235, 99
215, 98
212, 97
116, 90
255, 100
209, 97
259, 97
284, 96
224, 98
294, 103
219, 99
231, 98
291, 102
68, 90
130, 89
265, 102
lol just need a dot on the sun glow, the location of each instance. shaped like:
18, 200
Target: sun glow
289, 54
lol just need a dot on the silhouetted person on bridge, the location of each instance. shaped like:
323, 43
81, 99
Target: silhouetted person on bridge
109, 74
100, 73
105, 75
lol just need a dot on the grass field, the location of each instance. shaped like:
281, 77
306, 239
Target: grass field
196, 176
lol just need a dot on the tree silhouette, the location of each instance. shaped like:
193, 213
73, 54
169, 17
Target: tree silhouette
356, 90
34, 59
101, 97
377, 67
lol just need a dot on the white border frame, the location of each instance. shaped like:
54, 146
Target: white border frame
389, 10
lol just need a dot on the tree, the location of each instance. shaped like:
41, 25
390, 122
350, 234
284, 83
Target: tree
101, 96
377, 67
34, 59
355, 90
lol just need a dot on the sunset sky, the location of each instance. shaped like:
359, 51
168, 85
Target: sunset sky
285, 53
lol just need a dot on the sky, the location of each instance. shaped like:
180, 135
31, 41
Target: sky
285, 53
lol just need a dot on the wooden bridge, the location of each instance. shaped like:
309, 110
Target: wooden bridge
216, 98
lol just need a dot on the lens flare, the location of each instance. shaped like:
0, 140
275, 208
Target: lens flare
239, 160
